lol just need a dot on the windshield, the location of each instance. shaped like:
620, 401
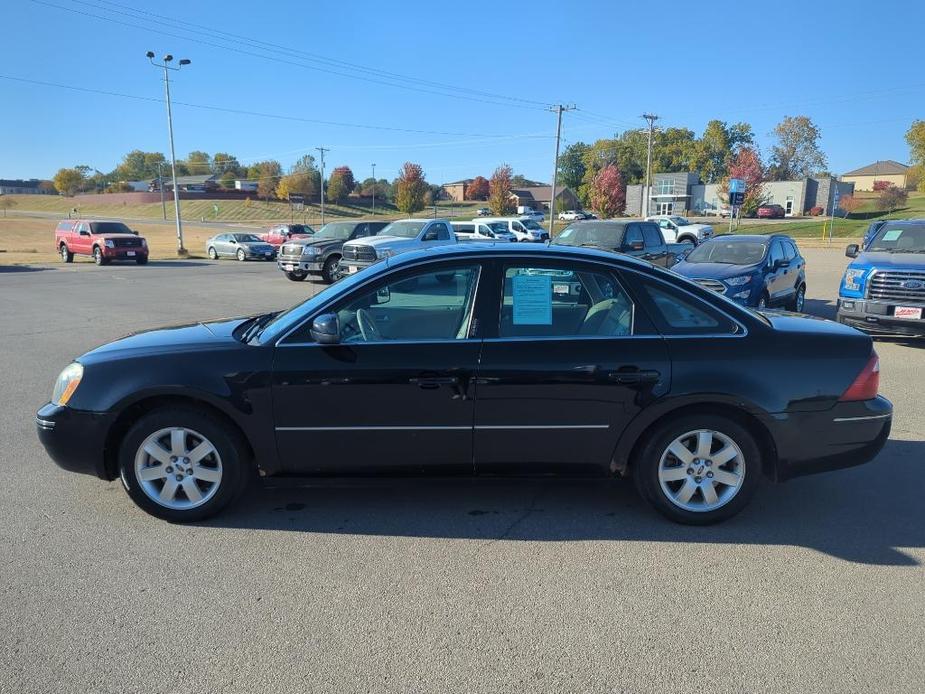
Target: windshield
603, 236
406, 230
531, 224
300, 229
246, 238
109, 228
729, 252
680, 221
335, 230
899, 238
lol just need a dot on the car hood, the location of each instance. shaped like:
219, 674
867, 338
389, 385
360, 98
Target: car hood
887, 261
315, 243
117, 236
380, 241
176, 338
713, 271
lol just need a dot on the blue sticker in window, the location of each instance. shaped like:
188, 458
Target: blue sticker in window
532, 300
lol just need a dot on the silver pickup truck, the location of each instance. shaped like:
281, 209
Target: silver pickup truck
398, 237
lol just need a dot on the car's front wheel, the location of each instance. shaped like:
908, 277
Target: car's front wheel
698, 469
183, 465
329, 271
98, 256
241, 255
296, 276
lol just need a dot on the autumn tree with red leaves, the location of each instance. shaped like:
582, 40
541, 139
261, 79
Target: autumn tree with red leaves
608, 192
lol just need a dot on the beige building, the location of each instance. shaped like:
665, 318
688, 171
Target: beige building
538, 197
889, 171
456, 191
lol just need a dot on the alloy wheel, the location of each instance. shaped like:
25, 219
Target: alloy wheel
212, 254
241, 255
178, 468
801, 299
701, 470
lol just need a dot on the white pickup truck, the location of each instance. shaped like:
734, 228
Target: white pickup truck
677, 229
398, 237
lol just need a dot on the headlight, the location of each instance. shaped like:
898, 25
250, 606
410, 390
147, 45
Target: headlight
144, 243
854, 279
742, 295
110, 243
67, 383
384, 253
738, 281
309, 250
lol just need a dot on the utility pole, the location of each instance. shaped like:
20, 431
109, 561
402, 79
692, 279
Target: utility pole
374, 189
558, 108
647, 193
322, 150
173, 158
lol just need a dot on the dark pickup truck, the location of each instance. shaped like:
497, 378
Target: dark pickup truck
628, 236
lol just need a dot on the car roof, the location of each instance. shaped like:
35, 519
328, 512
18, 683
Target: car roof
748, 237
490, 249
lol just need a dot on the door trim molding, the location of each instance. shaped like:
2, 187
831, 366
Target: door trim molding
438, 427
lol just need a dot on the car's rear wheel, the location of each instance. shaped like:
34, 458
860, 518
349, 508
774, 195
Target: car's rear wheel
698, 469
66, 255
242, 256
182, 465
799, 299
98, 256
213, 254
329, 270
296, 276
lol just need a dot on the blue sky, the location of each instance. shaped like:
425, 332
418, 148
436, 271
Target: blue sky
852, 67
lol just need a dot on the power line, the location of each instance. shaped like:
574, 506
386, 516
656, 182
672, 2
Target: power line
258, 114
273, 58
315, 57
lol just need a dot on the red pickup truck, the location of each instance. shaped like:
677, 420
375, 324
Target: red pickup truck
280, 233
104, 241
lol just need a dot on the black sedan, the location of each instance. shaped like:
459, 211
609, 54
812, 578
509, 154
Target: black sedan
477, 359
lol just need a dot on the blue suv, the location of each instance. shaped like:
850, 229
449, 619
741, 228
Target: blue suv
883, 289
757, 271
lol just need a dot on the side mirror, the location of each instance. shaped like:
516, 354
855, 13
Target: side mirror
636, 245
430, 236
383, 295
233, 240
853, 250
781, 263
325, 329
84, 232
135, 231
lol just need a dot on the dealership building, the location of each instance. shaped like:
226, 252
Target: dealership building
684, 193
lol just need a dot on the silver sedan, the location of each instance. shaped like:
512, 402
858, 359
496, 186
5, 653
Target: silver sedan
239, 245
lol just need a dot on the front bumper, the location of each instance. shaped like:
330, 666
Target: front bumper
260, 255
848, 434
74, 439
877, 317
124, 253
351, 267
311, 265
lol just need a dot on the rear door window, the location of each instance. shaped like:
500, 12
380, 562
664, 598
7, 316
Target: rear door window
632, 235
652, 235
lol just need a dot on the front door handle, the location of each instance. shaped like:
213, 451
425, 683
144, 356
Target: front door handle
432, 382
634, 377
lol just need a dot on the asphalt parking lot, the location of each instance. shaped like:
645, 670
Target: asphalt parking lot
462, 586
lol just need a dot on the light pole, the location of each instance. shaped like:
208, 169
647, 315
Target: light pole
322, 150
173, 157
651, 118
160, 185
374, 189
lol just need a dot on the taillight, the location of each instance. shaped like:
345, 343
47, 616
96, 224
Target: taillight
867, 383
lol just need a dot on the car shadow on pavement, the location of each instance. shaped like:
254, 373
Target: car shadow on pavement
823, 308
864, 515
20, 268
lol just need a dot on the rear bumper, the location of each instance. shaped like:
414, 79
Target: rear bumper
876, 317
849, 434
75, 440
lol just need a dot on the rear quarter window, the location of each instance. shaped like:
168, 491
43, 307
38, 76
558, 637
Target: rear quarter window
677, 312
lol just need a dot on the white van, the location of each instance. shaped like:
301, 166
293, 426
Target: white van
523, 228
478, 230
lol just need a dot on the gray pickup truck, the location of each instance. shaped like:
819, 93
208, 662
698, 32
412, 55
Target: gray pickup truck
398, 237
634, 237
320, 253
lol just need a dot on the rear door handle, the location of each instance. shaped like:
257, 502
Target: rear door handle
634, 377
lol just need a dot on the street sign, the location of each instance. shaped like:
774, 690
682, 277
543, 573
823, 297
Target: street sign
737, 185
736, 198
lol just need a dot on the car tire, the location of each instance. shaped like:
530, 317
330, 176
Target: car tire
241, 255
98, 256
696, 490
218, 478
687, 239
799, 299
329, 270
66, 255
296, 276
141, 260
213, 255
